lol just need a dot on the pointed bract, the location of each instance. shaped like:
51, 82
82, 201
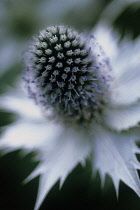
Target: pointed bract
114, 154
58, 157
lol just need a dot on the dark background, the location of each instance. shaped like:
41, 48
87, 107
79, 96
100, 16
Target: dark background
19, 21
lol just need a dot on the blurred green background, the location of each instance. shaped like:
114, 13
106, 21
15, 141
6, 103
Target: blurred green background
19, 21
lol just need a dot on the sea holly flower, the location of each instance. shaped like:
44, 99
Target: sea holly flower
86, 91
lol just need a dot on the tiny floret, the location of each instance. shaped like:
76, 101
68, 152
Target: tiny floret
77, 60
77, 52
60, 55
39, 52
63, 37
51, 59
54, 39
67, 44
58, 47
59, 65
69, 61
48, 67
69, 53
67, 69
48, 52
44, 45
42, 60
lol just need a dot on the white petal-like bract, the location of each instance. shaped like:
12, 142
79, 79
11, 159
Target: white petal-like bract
123, 117
114, 154
21, 105
58, 157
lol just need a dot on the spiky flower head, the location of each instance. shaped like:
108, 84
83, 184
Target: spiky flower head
65, 76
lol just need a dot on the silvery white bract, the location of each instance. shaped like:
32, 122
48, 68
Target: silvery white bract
109, 141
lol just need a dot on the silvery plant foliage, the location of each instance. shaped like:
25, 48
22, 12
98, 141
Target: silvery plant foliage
83, 102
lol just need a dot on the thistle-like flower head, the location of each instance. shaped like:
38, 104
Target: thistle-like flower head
65, 75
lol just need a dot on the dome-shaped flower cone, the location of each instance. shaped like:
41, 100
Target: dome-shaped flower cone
89, 100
